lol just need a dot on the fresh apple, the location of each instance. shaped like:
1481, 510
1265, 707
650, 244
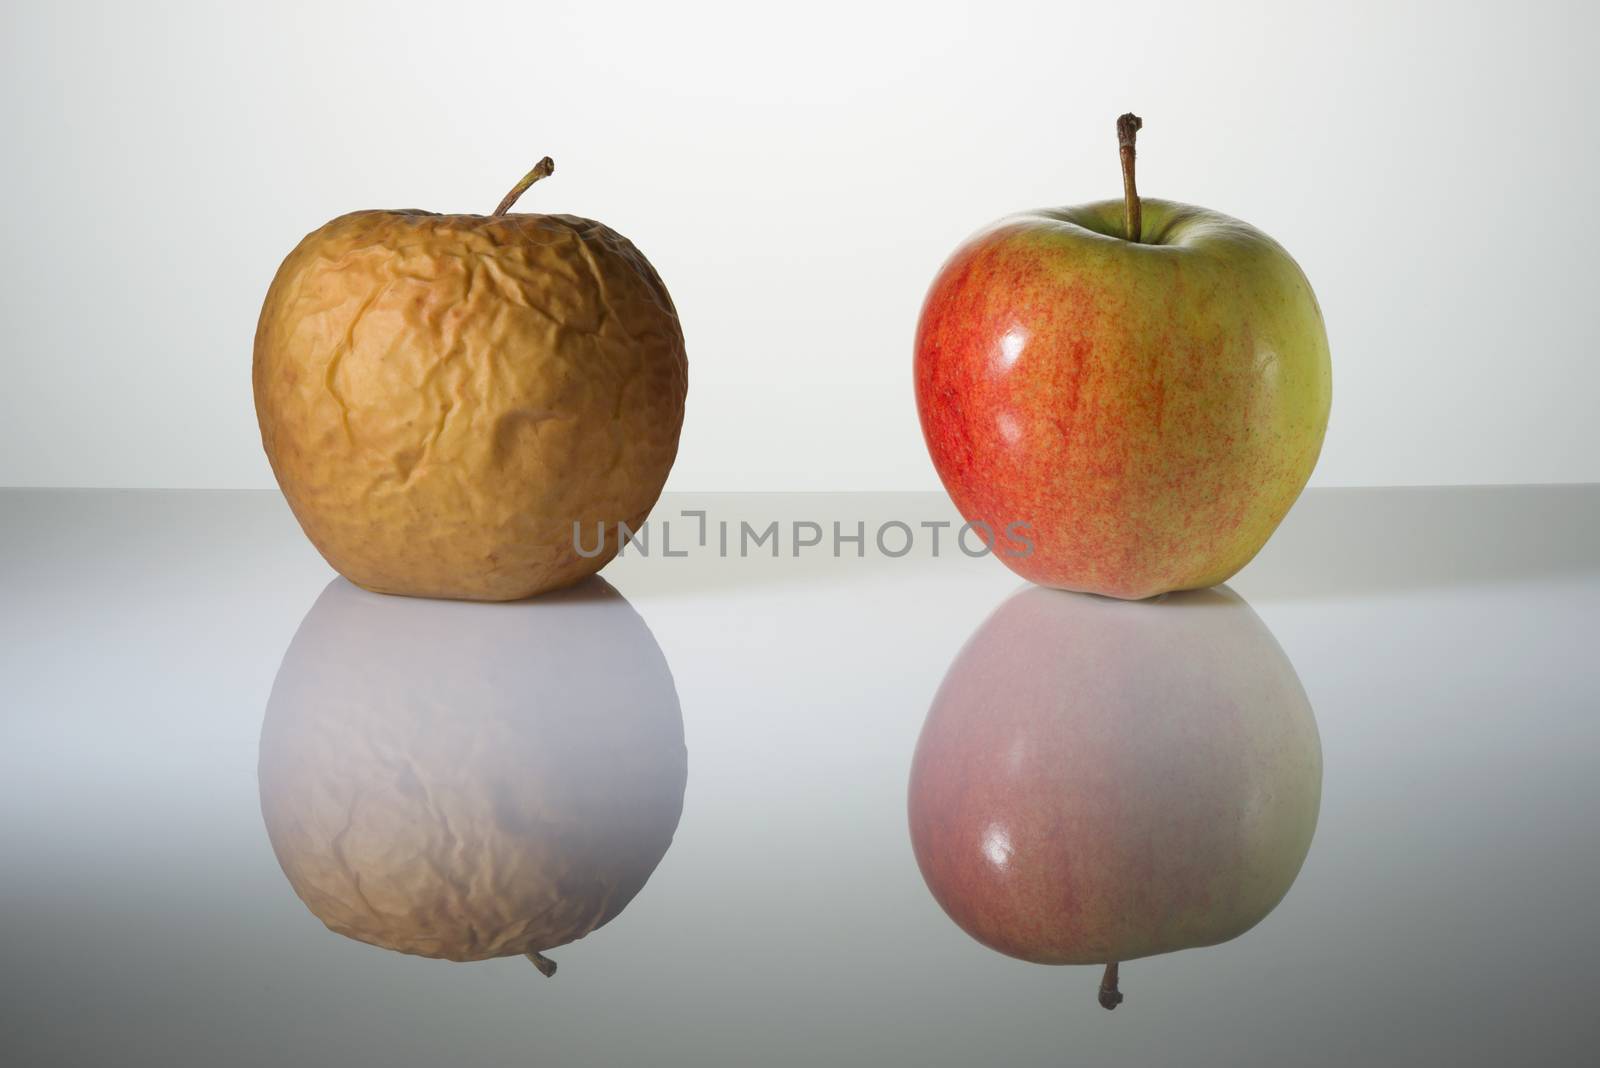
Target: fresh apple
1099, 781
471, 781
1125, 397
447, 400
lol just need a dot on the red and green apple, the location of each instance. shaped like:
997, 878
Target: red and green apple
1143, 385
1099, 781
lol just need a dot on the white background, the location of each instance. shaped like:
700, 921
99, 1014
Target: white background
798, 173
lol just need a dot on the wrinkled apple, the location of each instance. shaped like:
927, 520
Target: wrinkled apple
471, 781
443, 397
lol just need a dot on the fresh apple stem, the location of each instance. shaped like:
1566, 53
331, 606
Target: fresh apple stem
1110, 996
543, 169
540, 961
1127, 129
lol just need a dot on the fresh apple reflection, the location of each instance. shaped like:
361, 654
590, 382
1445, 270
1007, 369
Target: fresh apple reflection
467, 781
1101, 780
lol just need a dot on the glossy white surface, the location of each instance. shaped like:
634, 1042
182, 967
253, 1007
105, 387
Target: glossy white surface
1445, 640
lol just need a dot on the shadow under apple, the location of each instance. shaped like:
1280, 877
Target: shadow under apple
1099, 781
468, 781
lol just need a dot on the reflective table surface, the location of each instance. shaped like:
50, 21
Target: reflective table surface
247, 807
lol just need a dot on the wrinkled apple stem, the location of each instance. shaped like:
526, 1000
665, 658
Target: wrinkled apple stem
1110, 996
540, 961
1127, 130
543, 169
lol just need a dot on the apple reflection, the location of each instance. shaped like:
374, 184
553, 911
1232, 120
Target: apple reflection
468, 781
1103, 780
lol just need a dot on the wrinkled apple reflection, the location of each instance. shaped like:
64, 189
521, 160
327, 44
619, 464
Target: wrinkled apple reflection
467, 781
1099, 780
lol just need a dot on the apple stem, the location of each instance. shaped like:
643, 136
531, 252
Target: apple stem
543, 169
1127, 129
540, 961
1110, 996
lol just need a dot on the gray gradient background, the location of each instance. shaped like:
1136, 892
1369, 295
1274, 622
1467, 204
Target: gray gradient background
798, 175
